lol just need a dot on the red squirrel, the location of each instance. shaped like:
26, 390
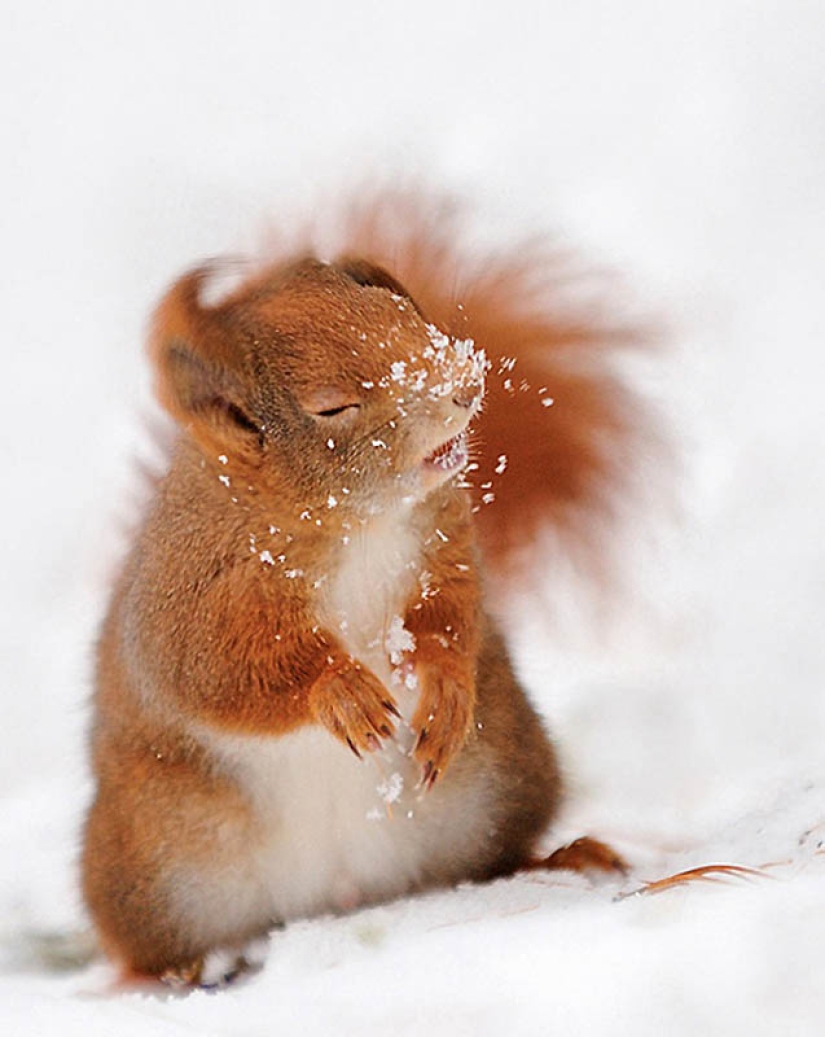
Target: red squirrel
302, 702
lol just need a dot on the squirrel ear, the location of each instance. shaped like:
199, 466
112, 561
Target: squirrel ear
199, 376
369, 275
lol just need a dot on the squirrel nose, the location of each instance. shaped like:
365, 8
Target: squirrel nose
467, 395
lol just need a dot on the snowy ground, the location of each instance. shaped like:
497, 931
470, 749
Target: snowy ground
684, 147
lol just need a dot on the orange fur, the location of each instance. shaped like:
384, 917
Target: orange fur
309, 567
569, 466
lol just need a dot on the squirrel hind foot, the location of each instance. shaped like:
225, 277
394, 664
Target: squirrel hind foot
219, 967
582, 855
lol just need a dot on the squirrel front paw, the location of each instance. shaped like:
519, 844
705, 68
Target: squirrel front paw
352, 704
444, 715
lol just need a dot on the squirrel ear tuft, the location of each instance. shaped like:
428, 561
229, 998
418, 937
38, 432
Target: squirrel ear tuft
199, 367
370, 275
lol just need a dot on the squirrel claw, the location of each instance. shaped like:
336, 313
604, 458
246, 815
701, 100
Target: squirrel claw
352, 704
429, 775
442, 719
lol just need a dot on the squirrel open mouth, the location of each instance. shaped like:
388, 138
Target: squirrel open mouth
450, 456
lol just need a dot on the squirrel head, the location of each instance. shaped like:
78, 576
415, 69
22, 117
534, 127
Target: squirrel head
320, 384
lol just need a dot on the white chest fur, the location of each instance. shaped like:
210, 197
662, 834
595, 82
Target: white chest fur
333, 831
362, 601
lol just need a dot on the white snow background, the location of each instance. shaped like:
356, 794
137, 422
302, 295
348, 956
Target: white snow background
682, 145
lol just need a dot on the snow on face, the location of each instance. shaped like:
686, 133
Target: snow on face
444, 365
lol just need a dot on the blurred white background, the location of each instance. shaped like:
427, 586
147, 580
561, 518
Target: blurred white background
683, 146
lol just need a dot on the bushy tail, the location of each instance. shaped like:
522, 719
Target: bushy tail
562, 435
